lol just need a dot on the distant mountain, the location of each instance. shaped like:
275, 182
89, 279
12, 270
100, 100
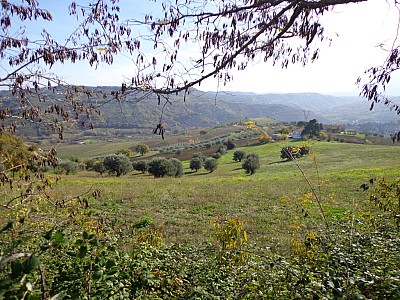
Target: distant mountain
207, 109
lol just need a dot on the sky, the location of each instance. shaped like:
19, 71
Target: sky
356, 29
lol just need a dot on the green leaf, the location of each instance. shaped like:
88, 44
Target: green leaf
58, 238
97, 275
110, 263
85, 235
16, 269
48, 234
9, 225
82, 251
30, 264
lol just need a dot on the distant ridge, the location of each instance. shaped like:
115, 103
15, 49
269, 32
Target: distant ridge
207, 109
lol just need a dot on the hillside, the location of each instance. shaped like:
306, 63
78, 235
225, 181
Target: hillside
138, 114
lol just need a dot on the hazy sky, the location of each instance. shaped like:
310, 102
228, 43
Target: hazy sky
359, 28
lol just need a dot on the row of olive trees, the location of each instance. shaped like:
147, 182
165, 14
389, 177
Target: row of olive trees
199, 160
119, 164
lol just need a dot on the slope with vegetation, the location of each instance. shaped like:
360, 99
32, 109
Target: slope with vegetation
320, 226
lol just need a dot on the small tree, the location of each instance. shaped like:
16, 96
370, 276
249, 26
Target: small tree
178, 166
251, 163
160, 167
142, 149
216, 155
238, 155
211, 164
118, 164
230, 144
67, 167
126, 152
99, 167
312, 129
140, 166
199, 155
222, 149
196, 163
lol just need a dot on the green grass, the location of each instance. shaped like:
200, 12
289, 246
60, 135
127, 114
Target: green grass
270, 201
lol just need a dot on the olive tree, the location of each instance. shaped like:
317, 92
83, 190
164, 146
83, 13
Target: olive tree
238, 155
140, 166
196, 163
142, 149
211, 164
117, 164
161, 167
251, 163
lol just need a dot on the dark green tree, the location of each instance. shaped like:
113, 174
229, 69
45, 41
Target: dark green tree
196, 163
99, 167
216, 155
161, 167
211, 164
140, 166
230, 144
238, 155
222, 149
178, 167
199, 155
118, 164
251, 163
312, 129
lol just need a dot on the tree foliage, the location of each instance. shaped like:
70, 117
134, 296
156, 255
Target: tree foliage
312, 129
251, 163
238, 155
117, 164
142, 149
211, 164
162, 167
196, 163
141, 166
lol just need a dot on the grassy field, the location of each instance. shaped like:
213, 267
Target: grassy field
272, 202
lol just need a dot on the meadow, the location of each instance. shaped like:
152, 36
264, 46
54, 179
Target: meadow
271, 202
302, 229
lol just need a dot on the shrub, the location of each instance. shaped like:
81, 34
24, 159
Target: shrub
251, 163
211, 164
118, 164
291, 152
238, 155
